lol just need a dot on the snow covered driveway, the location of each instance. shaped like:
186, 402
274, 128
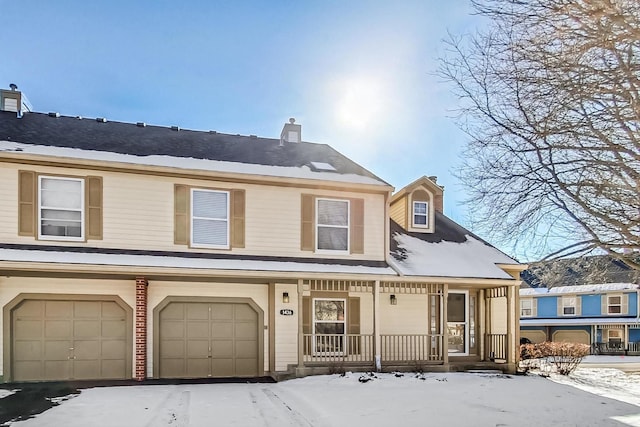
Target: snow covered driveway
434, 399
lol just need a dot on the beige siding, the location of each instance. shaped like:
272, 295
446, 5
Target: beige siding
286, 327
409, 316
138, 214
398, 213
366, 312
11, 287
159, 290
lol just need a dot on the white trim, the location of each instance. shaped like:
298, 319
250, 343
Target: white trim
40, 208
348, 227
227, 220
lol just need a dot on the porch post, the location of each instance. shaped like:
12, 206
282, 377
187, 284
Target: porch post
445, 329
626, 336
300, 330
272, 327
481, 322
376, 326
511, 345
487, 325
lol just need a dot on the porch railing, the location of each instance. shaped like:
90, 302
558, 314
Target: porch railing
634, 347
338, 348
496, 347
411, 348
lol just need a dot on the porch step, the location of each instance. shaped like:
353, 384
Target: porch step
484, 371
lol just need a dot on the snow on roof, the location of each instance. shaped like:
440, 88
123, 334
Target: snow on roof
578, 321
471, 258
188, 163
602, 287
61, 257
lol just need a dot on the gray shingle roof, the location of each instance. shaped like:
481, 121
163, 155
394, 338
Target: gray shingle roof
128, 138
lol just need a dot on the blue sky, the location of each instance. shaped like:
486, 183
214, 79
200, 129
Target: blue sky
357, 75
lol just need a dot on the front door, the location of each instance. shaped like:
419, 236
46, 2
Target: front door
458, 323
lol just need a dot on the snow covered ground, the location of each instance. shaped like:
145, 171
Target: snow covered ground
452, 399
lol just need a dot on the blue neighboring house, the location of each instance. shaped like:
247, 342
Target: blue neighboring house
604, 316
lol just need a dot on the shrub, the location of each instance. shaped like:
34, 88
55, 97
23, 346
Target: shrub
564, 356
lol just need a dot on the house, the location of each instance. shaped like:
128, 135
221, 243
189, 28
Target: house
604, 316
137, 251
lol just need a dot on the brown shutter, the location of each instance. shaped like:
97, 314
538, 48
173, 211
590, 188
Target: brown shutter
181, 215
26, 203
357, 226
307, 235
306, 323
93, 201
353, 326
237, 218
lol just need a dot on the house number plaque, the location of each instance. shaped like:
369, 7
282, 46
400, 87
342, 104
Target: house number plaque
286, 312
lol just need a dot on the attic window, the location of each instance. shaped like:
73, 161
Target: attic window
322, 167
421, 214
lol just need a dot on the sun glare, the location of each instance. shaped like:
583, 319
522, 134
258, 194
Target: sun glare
359, 103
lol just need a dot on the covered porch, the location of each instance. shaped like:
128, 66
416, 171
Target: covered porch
405, 325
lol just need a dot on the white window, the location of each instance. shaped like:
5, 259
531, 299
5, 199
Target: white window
526, 308
329, 325
568, 306
332, 225
614, 304
61, 208
210, 218
421, 214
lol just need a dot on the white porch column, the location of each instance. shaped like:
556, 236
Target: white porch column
376, 326
511, 345
482, 322
300, 330
445, 329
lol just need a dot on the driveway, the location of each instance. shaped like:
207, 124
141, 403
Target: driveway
382, 400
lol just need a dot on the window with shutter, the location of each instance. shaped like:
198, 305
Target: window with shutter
210, 218
61, 208
332, 225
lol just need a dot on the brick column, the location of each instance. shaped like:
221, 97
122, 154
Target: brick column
141, 328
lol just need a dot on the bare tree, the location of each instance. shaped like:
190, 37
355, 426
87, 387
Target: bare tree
550, 97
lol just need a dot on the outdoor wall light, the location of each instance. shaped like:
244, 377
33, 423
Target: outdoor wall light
285, 297
393, 300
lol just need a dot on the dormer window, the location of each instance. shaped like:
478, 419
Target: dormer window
421, 214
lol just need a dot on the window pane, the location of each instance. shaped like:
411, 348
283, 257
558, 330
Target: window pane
60, 223
420, 208
333, 238
456, 337
420, 220
210, 232
210, 204
569, 310
614, 309
61, 193
333, 212
614, 300
329, 310
456, 308
329, 328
